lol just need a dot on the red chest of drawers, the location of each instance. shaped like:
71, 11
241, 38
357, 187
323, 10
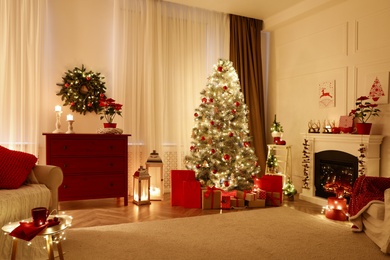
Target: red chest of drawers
94, 165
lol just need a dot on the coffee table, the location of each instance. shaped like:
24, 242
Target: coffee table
51, 234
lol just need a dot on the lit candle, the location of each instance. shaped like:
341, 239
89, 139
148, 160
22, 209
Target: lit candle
58, 108
69, 117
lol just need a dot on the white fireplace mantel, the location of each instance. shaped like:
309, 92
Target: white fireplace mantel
348, 143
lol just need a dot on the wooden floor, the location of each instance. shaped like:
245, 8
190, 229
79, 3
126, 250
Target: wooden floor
88, 213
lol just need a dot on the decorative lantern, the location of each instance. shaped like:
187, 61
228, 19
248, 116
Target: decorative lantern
154, 166
141, 187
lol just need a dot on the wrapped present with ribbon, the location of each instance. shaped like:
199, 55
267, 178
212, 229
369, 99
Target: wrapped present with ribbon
246, 195
256, 203
236, 202
211, 198
225, 202
273, 199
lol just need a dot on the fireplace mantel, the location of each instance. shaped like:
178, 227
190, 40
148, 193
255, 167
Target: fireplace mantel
348, 143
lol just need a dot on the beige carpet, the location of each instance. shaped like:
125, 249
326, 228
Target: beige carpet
267, 233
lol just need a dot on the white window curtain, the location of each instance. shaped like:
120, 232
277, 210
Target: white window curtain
164, 53
21, 40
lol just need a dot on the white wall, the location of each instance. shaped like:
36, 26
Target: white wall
345, 43
79, 32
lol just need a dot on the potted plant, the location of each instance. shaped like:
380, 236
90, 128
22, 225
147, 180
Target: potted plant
289, 190
110, 110
363, 111
276, 130
272, 162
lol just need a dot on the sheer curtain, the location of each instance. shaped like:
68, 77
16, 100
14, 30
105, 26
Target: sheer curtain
21, 40
164, 53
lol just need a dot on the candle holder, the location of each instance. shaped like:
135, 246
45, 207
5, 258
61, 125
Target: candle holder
70, 127
58, 122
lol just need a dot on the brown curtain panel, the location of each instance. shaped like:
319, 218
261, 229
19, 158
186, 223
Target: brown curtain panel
245, 53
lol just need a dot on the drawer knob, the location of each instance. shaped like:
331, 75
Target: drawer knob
65, 147
111, 184
65, 165
65, 186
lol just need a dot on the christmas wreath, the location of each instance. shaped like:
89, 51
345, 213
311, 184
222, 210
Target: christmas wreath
82, 90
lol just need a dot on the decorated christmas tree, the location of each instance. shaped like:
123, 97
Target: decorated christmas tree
221, 152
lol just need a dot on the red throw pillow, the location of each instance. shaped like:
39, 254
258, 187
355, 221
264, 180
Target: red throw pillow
14, 167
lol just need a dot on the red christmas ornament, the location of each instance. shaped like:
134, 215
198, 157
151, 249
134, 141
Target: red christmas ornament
67, 85
233, 111
211, 100
219, 68
197, 166
212, 151
72, 104
196, 115
231, 134
211, 122
88, 78
192, 148
246, 144
237, 104
226, 183
204, 100
225, 87
89, 104
226, 157
214, 171
101, 95
203, 138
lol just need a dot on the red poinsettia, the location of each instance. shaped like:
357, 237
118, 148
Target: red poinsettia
110, 108
364, 109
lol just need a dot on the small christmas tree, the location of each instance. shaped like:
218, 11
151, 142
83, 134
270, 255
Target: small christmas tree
221, 152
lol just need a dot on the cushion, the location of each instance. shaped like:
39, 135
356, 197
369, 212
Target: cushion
14, 167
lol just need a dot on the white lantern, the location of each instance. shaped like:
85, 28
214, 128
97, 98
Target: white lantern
141, 187
154, 166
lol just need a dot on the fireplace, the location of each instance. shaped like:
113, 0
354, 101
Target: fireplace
335, 158
334, 171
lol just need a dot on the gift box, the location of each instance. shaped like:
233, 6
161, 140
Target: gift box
256, 204
225, 202
232, 193
273, 185
270, 183
245, 195
273, 199
261, 194
177, 178
191, 197
235, 202
211, 198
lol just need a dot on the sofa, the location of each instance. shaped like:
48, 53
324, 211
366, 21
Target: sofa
25, 185
369, 209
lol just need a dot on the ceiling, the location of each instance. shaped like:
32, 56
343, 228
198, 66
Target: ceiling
258, 9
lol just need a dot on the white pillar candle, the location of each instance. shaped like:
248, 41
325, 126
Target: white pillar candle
69, 117
58, 108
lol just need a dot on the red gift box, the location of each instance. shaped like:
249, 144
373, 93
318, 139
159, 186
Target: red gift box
191, 194
271, 184
225, 202
177, 178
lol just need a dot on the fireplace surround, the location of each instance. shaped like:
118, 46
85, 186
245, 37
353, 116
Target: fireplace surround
346, 147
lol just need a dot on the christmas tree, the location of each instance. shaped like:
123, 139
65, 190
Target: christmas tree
221, 152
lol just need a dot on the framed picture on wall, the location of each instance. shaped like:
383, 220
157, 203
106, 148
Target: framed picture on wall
326, 94
373, 81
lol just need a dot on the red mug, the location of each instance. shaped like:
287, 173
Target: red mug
39, 215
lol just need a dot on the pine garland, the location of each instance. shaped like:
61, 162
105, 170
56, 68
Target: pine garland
82, 90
